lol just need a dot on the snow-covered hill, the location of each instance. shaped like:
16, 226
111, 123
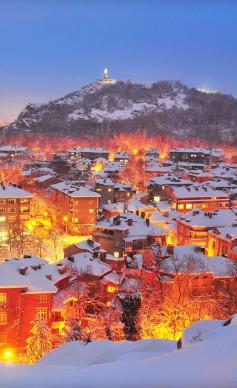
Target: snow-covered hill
163, 107
208, 359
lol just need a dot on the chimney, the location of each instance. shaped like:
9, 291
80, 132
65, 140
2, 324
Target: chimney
90, 242
102, 256
23, 270
147, 222
170, 249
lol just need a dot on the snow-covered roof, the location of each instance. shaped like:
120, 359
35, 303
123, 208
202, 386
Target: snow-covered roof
44, 178
214, 219
90, 246
122, 155
104, 182
74, 191
10, 191
138, 228
198, 190
189, 259
227, 232
12, 148
170, 180
191, 150
93, 150
33, 277
85, 263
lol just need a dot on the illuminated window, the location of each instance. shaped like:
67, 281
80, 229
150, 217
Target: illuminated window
189, 206
111, 289
180, 206
76, 220
91, 211
2, 218
3, 298
128, 194
3, 338
42, 298
41, 313
109, 189
116, 254
108, 304
3, 318
156, 198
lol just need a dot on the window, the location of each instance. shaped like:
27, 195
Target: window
91, 211
2, 210
2, 201
110, 189
111, 289
42, 313
189, 206
3, 338
116, 254
11, 201
156, 198
12, 210
2, 218
42, 298
3, 298
180, 206
3, 318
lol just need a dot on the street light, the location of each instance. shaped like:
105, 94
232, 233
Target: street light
65, 219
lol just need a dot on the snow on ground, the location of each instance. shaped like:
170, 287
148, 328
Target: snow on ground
143, 364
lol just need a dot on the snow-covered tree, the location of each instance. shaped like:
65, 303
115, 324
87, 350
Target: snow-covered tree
130, 305
75, 332
39, 343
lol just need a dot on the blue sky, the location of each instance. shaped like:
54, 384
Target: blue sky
51, 47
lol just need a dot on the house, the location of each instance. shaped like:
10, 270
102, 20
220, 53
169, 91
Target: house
197, 274
105, 187
190, 155
185, 199
127, 234
88, 290
45, 181
91, 153
157, 185
152, 153
193, 227
15, 206
26, 293
223, 241
123, 191
122, 157
78, 207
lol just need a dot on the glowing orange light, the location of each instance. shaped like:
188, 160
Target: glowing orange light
7, 355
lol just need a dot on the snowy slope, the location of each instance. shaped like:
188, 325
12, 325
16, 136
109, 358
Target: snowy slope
142, 364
